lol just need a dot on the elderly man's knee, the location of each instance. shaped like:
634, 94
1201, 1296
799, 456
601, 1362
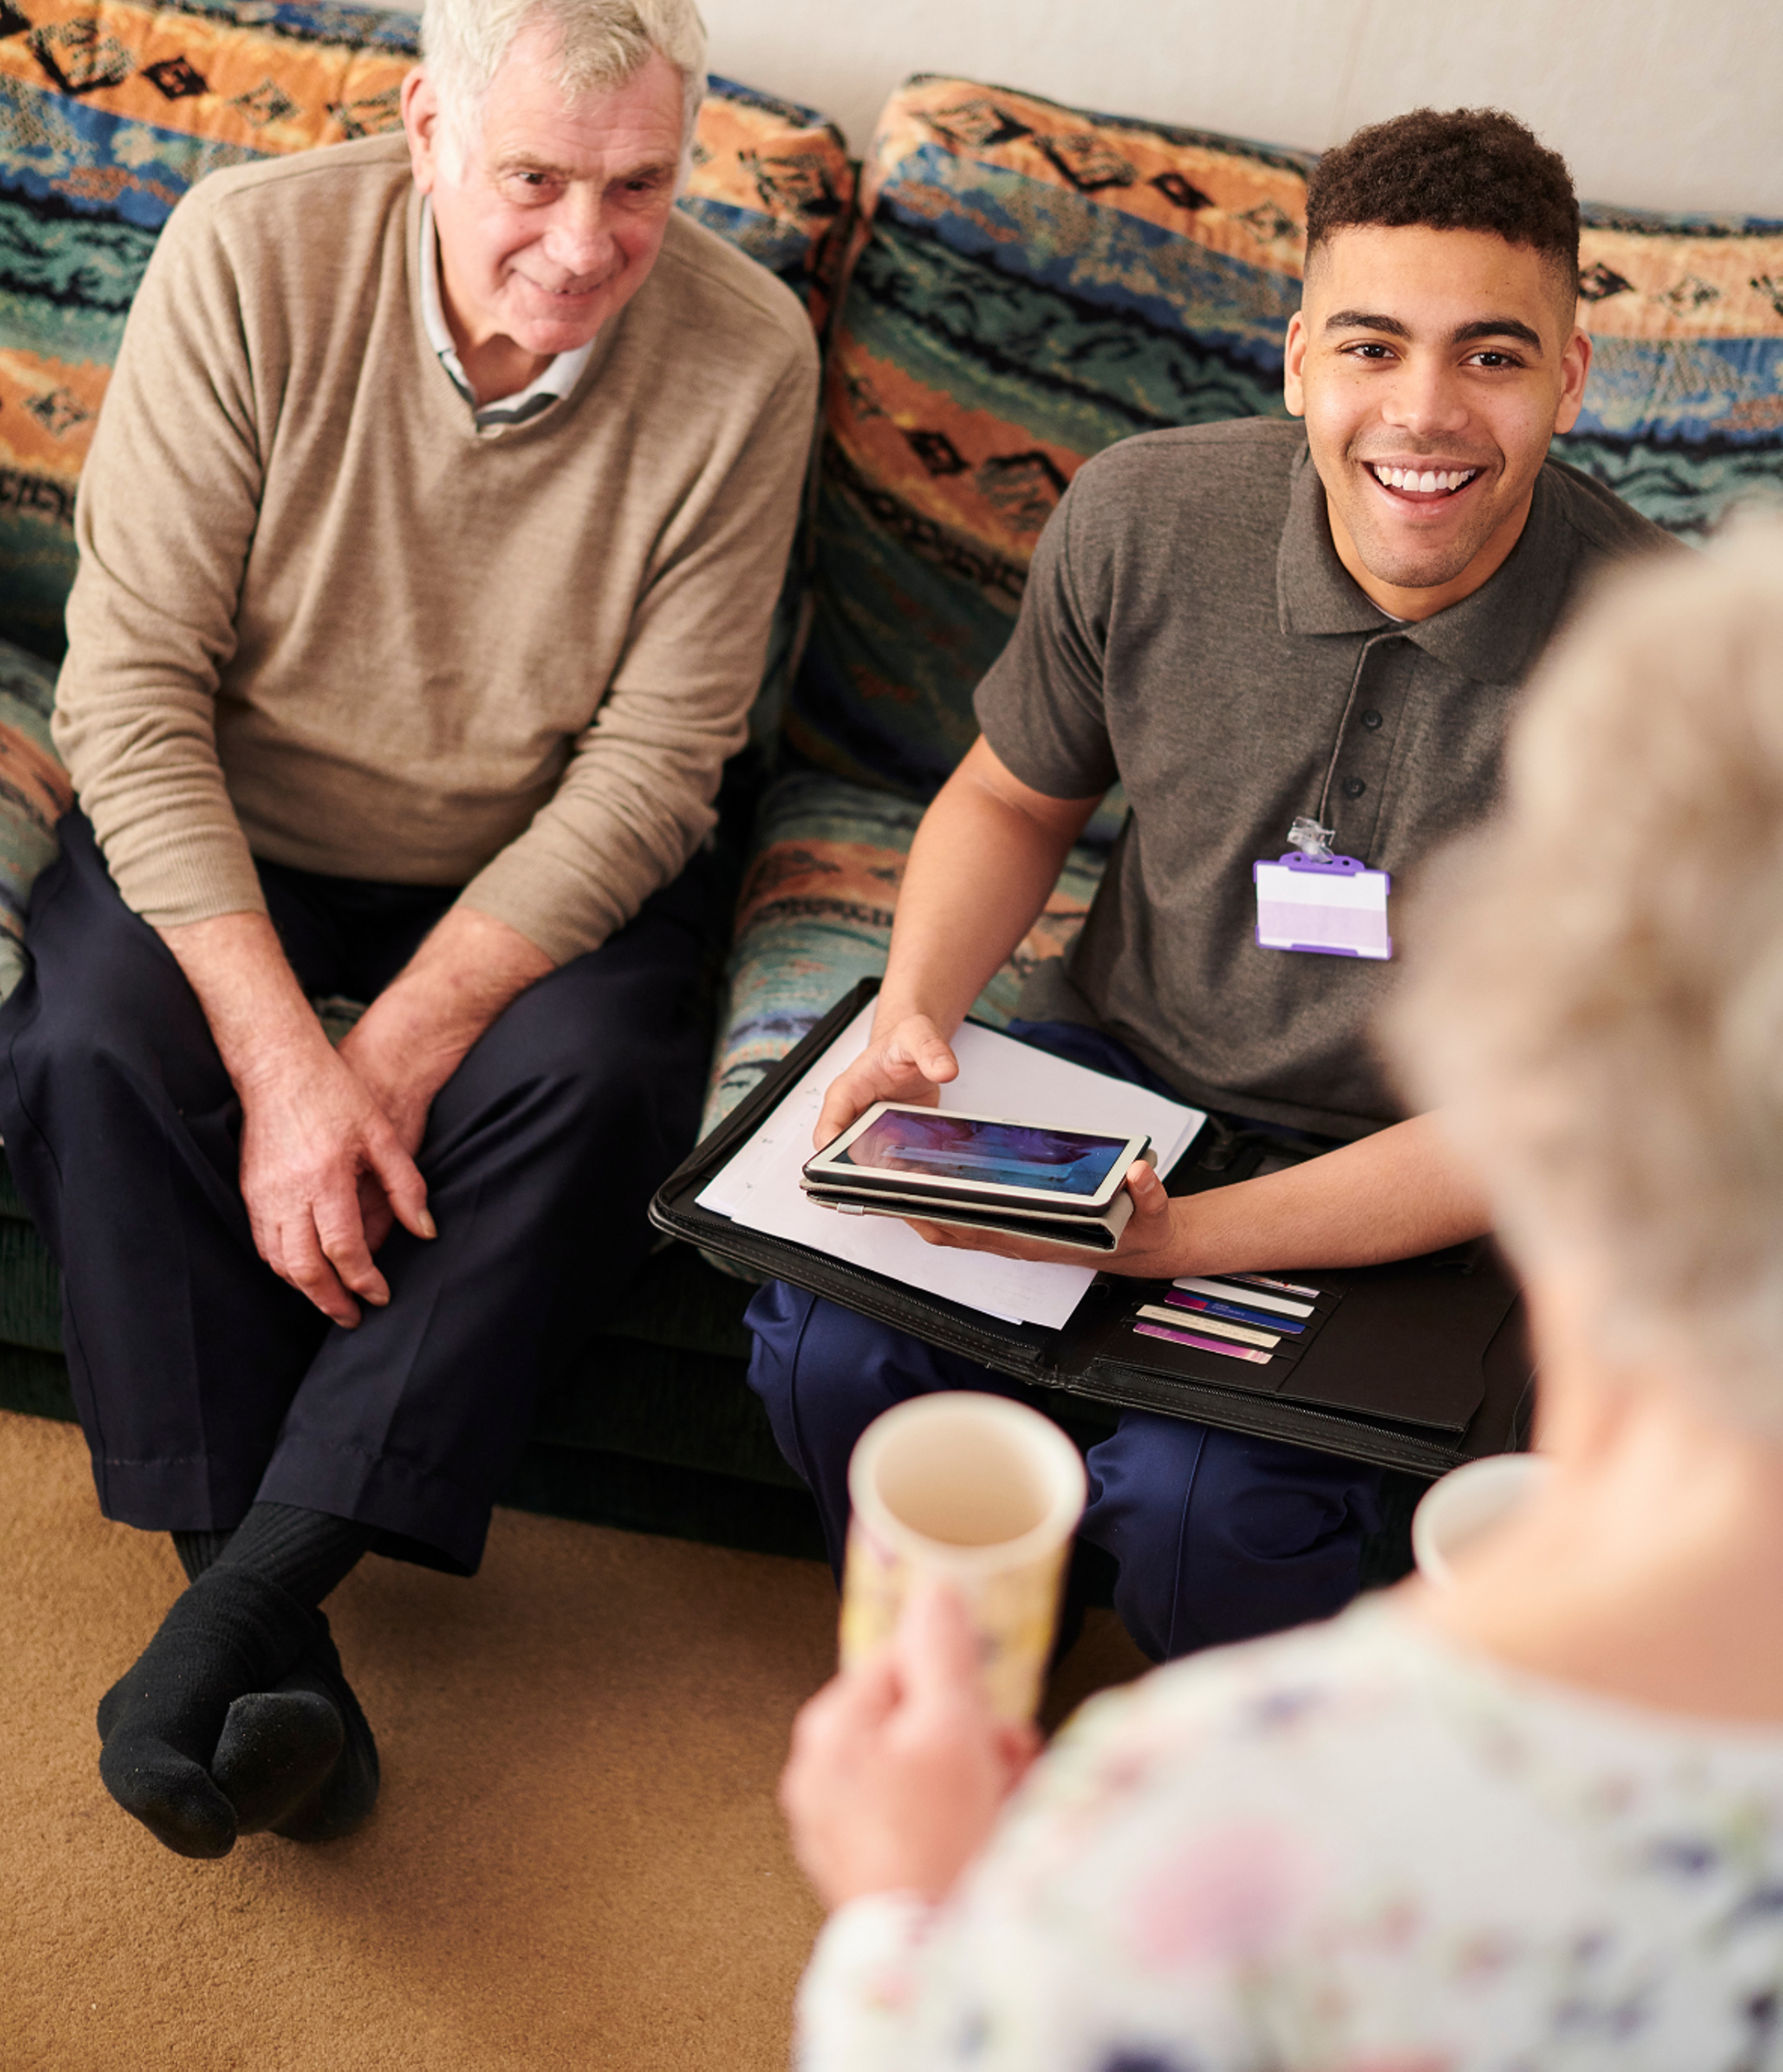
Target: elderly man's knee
123, 1010
604, 1052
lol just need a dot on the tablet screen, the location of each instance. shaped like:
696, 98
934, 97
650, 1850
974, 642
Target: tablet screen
997, 1154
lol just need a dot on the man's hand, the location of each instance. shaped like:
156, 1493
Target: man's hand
899, 1769
313, 1142
1149, 1249
910, 1062
412, 1038
988, 852
328, 1138
311, 1134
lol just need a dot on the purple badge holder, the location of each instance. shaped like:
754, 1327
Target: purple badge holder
1331, 905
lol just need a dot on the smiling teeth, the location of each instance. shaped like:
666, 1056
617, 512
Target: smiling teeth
1427, 484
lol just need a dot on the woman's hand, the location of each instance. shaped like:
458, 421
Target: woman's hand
899, 1769
1151, 1246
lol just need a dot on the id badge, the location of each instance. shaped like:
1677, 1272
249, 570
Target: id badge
1331, 905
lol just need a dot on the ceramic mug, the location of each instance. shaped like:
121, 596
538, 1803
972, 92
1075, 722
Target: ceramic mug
982, 1494
1466, 1504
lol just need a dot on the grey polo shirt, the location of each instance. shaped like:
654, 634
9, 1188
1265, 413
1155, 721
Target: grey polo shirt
1188, 629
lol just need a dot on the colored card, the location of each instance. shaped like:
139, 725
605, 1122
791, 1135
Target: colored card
1200, 1344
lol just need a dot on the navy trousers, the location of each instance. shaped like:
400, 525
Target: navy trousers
204, 1381
1218, 1537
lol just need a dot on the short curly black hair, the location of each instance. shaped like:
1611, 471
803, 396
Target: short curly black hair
1470, 169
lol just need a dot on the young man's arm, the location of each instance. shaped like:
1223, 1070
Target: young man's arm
985, 859
987, 854
1402, 1191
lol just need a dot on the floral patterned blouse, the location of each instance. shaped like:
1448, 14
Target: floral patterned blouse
1359, 1848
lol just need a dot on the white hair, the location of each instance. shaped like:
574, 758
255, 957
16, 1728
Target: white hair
600, 45
1597, 984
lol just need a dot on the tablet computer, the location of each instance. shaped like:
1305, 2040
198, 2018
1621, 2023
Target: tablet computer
941, 1165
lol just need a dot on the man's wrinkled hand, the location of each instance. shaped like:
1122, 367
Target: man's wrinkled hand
1151, 1246
402, 1076
319, 1155
910, 1062
899, 1769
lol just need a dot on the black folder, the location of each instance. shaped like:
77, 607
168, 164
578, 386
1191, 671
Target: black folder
1420, 1365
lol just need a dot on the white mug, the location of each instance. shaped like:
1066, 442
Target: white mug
1467, 1504
981, 1494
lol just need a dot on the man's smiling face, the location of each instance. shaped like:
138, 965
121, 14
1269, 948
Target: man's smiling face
551, 215
1432, 367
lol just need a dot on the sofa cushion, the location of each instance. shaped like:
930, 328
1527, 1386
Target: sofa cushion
775, 180
815, 916
109, 112
1029, 283
1683, 412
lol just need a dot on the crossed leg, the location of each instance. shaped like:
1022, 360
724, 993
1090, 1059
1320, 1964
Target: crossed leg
211, 1393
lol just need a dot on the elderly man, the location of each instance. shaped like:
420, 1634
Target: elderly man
428, 547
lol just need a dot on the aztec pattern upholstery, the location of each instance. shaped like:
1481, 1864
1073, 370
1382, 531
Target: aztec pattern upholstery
1683, 412
775, 179
110, 110
1028, 284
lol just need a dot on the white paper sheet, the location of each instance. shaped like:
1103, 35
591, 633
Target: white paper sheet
760, 1188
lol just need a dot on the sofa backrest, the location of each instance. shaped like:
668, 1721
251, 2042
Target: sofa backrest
1030, 282
1683, 412
110, 111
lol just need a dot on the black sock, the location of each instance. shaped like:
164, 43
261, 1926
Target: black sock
306, 1552
232, 1632
298, 1759
198, 1551
203, 1756
271, 1744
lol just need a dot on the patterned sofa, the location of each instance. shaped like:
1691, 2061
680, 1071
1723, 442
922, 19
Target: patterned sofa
1022, 284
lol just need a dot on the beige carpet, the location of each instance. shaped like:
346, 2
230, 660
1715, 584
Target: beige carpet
576, 1862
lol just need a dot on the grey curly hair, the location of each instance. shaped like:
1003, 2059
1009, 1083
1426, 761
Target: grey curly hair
1596, 984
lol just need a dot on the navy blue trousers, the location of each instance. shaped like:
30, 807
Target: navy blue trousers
204, 1381
1218, 1537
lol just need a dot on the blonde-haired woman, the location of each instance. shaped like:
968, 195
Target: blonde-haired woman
1535, 1820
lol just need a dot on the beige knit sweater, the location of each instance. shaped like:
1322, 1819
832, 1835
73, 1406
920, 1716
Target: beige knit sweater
321, 618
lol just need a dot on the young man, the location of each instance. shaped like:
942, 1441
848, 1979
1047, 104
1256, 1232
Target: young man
428, 549
1248, 624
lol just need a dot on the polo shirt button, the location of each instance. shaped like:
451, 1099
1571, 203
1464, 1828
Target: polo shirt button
1354, 787
1371, 720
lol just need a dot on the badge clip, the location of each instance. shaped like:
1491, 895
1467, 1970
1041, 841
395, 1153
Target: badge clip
1311, 839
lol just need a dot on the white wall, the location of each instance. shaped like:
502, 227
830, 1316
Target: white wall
1659, 104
